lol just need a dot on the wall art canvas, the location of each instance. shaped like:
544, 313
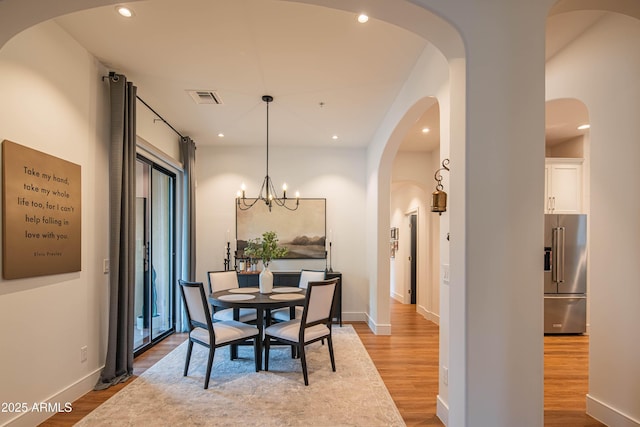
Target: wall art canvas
302, 232
41, 213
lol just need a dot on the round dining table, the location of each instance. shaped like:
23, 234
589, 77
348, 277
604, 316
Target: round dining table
250, 297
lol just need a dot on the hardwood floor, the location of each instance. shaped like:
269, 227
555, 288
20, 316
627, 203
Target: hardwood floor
408, 363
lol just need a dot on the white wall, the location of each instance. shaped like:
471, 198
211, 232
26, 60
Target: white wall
332, 173
152, 130
412, 173
53, 100
573, 147
601, 69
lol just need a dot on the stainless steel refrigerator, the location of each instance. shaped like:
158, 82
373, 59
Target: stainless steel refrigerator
565, 274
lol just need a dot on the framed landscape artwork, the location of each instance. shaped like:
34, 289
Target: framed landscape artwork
302, 232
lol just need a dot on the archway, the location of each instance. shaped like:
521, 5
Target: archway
415, 275
448, 45
599, 67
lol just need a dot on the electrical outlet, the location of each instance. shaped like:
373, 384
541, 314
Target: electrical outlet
83, 354
445, 375
105, 266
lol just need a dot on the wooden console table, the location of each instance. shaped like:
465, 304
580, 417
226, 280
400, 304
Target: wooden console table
292, 278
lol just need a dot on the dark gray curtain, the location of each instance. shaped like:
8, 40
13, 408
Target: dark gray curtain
122, 167
188, 154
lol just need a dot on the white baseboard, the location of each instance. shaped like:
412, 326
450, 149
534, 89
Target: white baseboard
378, 329
354, 317
59, 402
432, 317
396, 296
442, 410
608, 415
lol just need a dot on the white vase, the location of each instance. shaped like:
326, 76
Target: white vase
266, 281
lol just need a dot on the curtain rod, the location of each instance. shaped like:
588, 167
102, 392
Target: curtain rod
112, 74
160, 117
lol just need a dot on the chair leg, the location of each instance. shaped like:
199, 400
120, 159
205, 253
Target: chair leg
186, 363
256, 353
333, 361
212, 351
233, 352
266, 352
303, 359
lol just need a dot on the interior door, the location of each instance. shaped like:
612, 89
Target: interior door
413, 229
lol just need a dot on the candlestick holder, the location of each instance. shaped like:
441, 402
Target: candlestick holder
326, 262
330, 266
227, 260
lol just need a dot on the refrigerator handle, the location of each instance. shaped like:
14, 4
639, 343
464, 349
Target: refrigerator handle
548, 256
561, 233
554, 254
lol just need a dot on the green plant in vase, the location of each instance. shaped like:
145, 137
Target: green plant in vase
266, 249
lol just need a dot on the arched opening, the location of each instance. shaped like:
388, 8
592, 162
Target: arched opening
566, 308
446, 45
595, 61
415, 247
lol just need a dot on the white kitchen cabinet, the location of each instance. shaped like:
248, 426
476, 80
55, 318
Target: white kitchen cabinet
563, 185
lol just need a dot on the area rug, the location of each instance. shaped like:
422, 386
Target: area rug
354, 395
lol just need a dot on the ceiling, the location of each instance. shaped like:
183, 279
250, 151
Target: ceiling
329, 75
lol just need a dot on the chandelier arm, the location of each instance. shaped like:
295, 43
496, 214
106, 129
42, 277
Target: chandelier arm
264, 187
243, 205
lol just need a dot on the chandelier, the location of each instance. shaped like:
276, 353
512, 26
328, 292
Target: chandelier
268, 193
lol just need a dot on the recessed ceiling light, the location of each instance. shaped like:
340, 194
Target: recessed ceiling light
221, 135
583, 127
425, 130
362, 18
334, 137
124, 11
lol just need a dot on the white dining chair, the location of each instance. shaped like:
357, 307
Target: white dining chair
221, 281
314, 325
306, 276
209, 334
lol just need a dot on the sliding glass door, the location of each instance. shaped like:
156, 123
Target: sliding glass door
155, 254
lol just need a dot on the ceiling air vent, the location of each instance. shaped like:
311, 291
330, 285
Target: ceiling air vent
205, 97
